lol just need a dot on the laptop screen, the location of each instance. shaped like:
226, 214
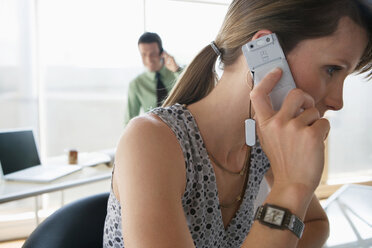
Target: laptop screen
18, 151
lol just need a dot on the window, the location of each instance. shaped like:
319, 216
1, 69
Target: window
185, 27
18, 91
88, 55
65, 68
350, 138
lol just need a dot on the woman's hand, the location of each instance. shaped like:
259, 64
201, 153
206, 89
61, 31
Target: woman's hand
292, 138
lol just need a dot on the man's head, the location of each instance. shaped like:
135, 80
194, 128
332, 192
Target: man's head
151, 49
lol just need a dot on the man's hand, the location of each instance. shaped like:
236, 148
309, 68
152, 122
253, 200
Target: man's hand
169, 62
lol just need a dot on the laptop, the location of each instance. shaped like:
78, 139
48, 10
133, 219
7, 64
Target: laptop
20, 161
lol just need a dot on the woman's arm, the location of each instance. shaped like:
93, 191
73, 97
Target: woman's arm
316, 226
150, 178
316, 222
293, 139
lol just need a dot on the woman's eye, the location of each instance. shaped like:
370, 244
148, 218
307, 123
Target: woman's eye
332, 69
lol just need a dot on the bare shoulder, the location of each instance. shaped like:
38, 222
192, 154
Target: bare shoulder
150, 179
150, 132
149, 148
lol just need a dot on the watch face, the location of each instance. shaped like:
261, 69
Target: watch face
274, 216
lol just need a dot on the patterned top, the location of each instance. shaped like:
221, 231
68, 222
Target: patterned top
200, 199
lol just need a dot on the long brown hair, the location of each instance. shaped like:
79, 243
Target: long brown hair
292, 20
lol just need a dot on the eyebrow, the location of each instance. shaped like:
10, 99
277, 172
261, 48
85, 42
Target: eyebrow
344, 63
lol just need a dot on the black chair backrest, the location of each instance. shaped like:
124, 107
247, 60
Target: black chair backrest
78, 224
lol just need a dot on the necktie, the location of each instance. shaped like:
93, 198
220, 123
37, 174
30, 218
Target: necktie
161, 91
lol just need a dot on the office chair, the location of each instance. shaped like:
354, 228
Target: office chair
78, 224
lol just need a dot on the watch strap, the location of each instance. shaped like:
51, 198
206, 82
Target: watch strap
290, 221
296, 225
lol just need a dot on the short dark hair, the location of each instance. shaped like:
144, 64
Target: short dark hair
149, 37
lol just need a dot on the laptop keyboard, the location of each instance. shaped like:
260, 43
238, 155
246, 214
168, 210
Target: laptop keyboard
45, 173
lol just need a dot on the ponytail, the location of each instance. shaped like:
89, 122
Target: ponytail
197, 81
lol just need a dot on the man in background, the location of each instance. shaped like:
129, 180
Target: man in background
149, 89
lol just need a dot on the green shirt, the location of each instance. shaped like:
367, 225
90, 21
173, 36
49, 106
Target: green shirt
142, 91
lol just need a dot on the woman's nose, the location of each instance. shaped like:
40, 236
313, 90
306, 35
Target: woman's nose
334, 99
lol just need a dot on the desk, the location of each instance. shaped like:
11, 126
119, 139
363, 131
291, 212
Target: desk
349, 212
15, 190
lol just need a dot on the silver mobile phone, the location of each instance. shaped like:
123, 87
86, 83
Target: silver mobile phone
263, 55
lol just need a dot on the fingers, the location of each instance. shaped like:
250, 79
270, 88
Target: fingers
309, 116
168, 58
322, 128
165, 56
260, 95
296, 101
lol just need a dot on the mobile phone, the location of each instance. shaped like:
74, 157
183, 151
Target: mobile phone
263, 55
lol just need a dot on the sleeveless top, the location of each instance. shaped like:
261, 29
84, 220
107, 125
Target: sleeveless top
200, 199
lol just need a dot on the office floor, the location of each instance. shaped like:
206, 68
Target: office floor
12, 244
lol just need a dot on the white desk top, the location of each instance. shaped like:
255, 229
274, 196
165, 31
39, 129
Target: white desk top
12, 190
349, 212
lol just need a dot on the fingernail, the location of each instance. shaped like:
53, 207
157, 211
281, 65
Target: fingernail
276, 69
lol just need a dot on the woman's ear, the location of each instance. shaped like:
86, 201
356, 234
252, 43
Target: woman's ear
261, 33
249, 80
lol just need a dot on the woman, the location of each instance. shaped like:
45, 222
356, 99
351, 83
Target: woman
184, 176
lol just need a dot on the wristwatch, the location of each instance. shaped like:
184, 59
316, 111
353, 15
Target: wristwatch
279, 218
